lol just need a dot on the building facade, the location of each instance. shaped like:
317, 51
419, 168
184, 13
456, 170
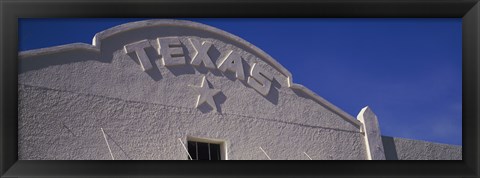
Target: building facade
179, 90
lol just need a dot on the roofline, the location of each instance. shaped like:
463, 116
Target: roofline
97, 41
58, 49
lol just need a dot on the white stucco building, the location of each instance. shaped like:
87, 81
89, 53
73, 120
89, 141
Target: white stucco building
171, 89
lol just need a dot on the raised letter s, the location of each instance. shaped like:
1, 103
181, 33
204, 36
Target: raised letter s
260, 79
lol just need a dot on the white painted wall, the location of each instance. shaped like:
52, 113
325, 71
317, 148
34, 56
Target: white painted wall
66, 97
68, 93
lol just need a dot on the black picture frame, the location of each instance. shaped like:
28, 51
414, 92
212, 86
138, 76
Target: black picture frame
10, 11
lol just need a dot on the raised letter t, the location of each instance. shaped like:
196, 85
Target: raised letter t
139, 49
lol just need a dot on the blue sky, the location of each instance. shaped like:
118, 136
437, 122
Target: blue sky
407, 70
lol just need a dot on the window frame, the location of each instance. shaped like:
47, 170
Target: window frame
222, 143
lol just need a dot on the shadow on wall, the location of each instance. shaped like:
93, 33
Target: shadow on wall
220, 98
389, 147
154, 73
118, 145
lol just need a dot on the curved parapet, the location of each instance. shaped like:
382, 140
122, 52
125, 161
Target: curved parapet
142, 25
150, 33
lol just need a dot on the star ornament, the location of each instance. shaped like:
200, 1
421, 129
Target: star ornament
206, 94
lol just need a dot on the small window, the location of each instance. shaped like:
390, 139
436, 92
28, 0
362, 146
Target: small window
204, 151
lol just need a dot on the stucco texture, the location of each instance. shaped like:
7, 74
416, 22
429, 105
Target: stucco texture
407, 149
67, 95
